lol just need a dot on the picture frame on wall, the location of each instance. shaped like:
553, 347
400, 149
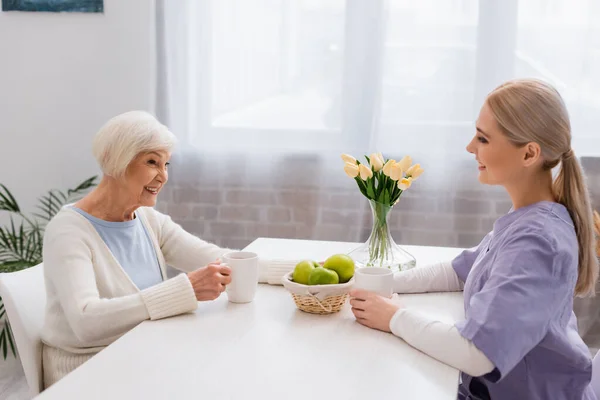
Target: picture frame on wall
85, 6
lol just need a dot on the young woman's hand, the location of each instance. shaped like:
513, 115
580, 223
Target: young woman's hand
372, 310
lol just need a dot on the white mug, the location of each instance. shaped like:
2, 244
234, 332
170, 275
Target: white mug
375, 279
244, 276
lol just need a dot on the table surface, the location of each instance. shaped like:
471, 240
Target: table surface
269, 349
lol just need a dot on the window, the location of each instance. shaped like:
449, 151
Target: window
559, 41
312, 75
275, 73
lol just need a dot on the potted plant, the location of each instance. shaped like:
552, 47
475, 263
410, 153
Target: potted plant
22, 238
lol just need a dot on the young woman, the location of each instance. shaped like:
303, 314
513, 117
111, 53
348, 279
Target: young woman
519, 339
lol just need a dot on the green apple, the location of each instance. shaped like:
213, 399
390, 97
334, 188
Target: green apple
303, 270
323, 276
342, 264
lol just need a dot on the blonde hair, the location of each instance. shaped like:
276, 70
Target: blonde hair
125, 136
529, 110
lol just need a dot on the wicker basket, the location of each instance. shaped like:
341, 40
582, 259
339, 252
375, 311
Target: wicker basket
318, 299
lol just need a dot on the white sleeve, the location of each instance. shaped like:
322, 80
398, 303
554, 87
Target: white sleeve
432, 278
181, 249
438, 277
441, 341
69, 269
186, 252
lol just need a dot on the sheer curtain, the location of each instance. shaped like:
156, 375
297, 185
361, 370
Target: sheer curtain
394, 75
265, 94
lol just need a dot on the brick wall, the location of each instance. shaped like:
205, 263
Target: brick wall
233, 201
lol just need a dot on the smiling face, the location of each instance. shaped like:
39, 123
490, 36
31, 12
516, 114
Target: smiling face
500, 161
145, 176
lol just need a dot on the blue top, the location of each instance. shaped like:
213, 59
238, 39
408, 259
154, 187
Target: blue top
519, 289
130, 244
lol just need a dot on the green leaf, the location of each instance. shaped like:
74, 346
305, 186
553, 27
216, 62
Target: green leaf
58, 203
3, 343
370, 191
33, 246
7, 201
10, 338
50, 205
396, 191
45, 206
381, 184
10, 238
18, 247
21, 239
361, 185
14, 266
82, 187
21, 243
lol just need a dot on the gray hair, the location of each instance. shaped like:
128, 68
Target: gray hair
125, 136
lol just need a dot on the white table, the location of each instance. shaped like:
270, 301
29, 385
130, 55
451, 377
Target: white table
268, 349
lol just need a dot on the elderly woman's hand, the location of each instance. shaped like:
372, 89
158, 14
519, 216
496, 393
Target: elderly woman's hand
210, 281
372, 310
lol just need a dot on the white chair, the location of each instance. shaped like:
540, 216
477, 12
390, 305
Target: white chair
596, 374
24, 297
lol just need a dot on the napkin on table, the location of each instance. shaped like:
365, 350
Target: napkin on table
272, 270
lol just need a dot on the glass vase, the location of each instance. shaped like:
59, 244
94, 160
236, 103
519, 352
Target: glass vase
380, 250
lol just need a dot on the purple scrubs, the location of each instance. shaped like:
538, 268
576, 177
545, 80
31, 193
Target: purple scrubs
519, 288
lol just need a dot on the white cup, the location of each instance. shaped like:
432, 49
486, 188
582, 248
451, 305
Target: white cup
244, 276
375, 279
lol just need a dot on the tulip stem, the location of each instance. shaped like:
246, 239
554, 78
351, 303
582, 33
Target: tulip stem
379, 241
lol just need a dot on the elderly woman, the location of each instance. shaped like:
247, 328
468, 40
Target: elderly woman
105, 256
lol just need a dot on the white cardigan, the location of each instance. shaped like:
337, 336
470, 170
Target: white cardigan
91, 301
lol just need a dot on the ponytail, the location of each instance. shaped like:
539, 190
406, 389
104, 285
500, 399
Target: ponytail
571, 191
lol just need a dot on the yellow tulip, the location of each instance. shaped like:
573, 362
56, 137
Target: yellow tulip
405, 163
396, 172
404, 183
365, 172
387, 168
349, 159
376, 161
351, 170
415, 171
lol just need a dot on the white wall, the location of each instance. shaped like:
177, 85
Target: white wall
62, 75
